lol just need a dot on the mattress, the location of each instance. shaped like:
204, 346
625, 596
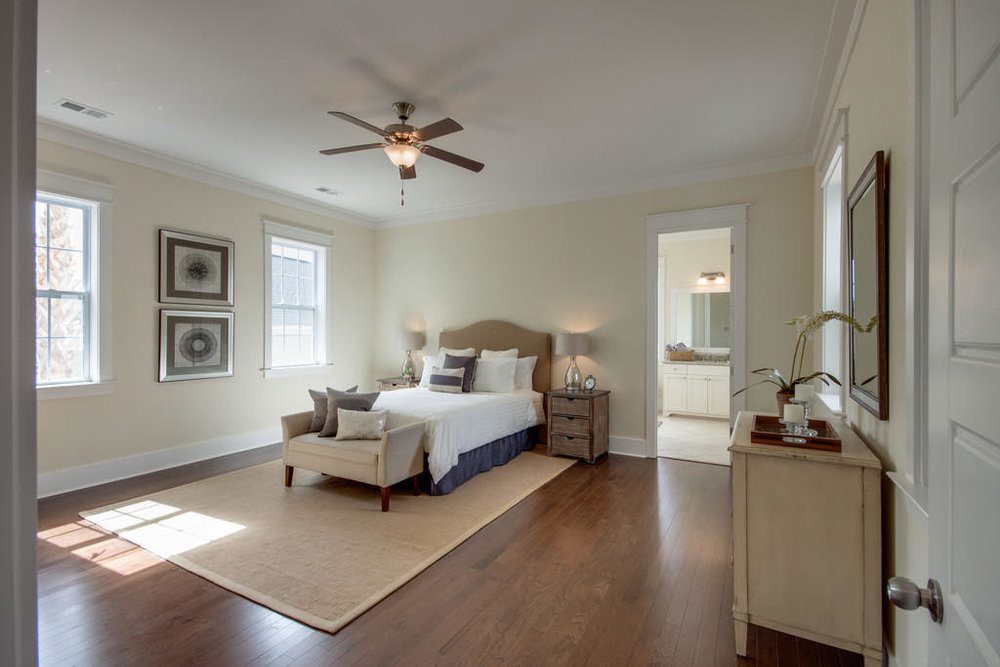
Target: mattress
458, 423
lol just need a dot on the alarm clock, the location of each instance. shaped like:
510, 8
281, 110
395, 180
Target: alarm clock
590, 383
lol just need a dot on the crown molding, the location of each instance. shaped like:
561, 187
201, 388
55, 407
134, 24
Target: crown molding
819, 132
688, 177
119, 150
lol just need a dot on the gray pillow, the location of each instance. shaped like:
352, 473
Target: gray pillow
347, 401
466, 363
319, 407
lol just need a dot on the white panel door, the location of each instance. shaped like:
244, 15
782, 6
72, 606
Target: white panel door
964, 332
718, 396
674, 393
697, 394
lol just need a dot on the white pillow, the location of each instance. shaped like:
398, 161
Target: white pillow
524, 372
360, 424
499, 354
467, 352
429, 363
495, 375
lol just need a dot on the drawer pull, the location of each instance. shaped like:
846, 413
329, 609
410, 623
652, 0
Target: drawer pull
569, 419
569, 437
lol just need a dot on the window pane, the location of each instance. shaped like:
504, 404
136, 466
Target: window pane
65, 227
289, 291
67, 318
41, 269
66, 270
275, 278
306, 297
41, 317
41, 360
40, 223
289, 266
66, 359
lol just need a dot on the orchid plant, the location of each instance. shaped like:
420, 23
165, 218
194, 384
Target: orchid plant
806, 326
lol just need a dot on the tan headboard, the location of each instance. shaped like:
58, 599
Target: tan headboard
500, 335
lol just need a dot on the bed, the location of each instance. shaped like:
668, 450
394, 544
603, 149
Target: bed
466, 434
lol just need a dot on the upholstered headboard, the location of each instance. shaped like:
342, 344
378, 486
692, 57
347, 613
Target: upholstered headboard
500, 335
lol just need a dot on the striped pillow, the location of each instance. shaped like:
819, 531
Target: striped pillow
447, 379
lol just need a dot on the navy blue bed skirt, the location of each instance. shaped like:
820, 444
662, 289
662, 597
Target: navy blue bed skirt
479, 460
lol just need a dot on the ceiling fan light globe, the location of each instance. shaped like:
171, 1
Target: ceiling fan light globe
402, 155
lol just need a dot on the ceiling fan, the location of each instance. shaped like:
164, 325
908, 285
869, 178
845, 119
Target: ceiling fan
404, 143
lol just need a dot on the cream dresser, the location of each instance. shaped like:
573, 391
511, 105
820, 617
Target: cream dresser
807, 554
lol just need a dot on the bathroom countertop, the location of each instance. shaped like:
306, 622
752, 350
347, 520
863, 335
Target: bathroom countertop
698, 362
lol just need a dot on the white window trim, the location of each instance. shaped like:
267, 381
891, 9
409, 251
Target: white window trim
321, 242
101, 350
836, 146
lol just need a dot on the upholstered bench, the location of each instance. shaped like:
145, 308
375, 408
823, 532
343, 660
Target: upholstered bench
397, 456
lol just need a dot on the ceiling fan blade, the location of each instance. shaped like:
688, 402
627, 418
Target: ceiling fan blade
350, 149
406, 173
438, 129
458, 160
360, 123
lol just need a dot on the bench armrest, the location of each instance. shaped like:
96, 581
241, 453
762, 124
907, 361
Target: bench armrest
401, 454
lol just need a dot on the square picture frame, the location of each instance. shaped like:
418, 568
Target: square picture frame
195, 269
195, 345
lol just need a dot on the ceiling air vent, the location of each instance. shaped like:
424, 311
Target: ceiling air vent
73, 105
327, 191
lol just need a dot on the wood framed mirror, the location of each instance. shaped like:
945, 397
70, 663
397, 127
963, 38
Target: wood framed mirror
868, 288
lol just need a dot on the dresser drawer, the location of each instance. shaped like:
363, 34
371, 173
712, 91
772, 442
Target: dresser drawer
571, 445
570, 425
579, 407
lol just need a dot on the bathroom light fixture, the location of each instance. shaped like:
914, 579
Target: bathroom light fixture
712, 278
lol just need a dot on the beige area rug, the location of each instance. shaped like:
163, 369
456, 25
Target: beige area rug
322, 551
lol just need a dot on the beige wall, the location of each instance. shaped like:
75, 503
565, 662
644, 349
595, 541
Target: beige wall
581, 267
876, 92
685, 261
142, 415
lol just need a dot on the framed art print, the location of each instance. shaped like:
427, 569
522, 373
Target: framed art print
195, 345
195, 269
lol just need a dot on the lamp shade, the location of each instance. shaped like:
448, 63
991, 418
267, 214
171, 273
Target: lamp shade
410, 340
572, 344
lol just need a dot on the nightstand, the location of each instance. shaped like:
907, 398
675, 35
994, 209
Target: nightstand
388, 384
578, 423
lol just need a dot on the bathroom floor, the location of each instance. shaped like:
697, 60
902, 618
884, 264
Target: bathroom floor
698, 439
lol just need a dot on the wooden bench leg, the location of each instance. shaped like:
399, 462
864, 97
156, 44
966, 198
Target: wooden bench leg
289, 470
416, 485
385, 498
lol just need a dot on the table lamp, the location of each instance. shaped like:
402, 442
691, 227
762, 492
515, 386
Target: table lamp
572, 344
409, 341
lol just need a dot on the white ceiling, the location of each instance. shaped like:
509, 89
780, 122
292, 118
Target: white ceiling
562, 99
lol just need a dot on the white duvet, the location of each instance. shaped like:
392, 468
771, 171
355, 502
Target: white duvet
458, 423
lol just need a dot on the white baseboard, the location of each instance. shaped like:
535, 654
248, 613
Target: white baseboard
627, 446
112, 470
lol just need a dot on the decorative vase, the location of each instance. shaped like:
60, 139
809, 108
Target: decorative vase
783, 398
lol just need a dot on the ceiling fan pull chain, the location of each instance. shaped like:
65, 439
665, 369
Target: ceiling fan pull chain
401, 194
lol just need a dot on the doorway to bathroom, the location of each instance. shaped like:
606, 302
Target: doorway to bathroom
696, 331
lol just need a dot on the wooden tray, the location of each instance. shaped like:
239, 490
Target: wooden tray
767, 430
681, 355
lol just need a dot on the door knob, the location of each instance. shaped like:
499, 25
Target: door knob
905, 594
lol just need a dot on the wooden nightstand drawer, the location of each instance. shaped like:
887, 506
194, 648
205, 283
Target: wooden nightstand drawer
570, 425
571, 445
578, 423
579, 407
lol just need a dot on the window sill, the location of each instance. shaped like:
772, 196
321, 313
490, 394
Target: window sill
832, 402
54, 392
292, 371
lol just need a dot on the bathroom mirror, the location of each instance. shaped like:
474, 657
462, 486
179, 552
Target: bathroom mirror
868, 287
700, 319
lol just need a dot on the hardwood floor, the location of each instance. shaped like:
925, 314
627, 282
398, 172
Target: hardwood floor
625, 562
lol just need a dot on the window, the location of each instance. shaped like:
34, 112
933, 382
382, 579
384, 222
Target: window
296, 289
66, 278
832, 337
